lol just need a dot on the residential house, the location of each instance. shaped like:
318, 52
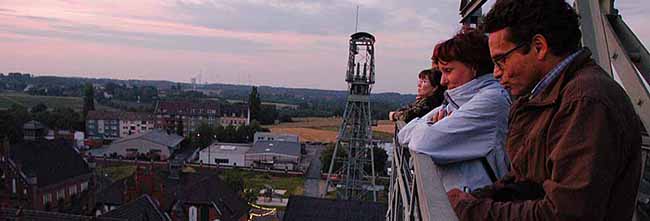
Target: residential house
235, 114
103, 125
188, 115
45, 174
135, 123
181, 192
144, 208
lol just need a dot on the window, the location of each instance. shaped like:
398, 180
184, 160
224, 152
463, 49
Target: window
47, 198
220, 161
60, 194
84, 186
73, 189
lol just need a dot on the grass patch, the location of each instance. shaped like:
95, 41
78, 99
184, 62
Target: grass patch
28, 101
118, 172
256, 181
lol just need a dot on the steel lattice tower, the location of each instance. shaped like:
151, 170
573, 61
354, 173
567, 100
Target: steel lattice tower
352, 180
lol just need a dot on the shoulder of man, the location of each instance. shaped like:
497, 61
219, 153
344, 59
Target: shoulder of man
592, 82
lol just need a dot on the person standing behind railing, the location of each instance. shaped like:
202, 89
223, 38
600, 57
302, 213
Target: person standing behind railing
574, 137
430, 95
464, 136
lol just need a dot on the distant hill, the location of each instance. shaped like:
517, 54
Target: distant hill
311, 102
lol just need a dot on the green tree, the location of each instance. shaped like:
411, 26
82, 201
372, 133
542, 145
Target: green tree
380, 157
204, 135
267, 115
40, 107
89, 99
326, 157
254, 103
11, 123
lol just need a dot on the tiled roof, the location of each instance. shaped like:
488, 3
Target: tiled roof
278, 147
51, 161
319, 209
193, 188
142, 209
209, 189
113, 194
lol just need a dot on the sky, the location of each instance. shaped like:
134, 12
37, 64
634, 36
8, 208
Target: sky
286, 43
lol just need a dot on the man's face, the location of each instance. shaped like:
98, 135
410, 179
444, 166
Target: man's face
516, 71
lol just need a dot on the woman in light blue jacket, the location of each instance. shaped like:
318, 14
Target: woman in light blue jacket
465, 136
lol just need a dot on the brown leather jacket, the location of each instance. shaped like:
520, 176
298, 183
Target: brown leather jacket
579, 141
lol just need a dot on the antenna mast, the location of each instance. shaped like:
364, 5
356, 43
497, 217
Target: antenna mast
356, 25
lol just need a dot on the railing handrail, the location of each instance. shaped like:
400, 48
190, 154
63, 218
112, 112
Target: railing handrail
418, 186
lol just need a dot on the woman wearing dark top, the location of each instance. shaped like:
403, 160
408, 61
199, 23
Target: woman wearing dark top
430, 96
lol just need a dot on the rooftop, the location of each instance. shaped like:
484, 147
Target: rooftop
142, 209
51, 161
319, 209
156, 136
227, 148
279, 147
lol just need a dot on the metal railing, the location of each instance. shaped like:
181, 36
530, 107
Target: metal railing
416, 191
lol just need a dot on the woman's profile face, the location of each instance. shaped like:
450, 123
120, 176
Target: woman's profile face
454, 74
425, 88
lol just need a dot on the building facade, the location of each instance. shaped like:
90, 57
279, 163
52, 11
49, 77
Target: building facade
103, 125
114, 125
230, 154
187, 116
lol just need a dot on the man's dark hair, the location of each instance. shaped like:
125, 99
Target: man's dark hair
469, 47
556, 20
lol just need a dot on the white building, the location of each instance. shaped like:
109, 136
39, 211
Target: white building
230, 154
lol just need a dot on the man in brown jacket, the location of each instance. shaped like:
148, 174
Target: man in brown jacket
574, 139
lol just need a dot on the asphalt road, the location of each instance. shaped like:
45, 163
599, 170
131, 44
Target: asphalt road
312, 177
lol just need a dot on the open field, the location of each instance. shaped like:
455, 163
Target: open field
326, 129
28, 101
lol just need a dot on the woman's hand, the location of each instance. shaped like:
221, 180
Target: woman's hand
440, 115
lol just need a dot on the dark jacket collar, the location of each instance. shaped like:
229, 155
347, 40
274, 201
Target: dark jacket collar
551, 94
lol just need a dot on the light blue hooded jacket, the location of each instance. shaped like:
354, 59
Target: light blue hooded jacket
476, 128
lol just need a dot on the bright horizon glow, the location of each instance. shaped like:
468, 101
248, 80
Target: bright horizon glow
281, 43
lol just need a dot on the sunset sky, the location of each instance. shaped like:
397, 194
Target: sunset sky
288, 43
